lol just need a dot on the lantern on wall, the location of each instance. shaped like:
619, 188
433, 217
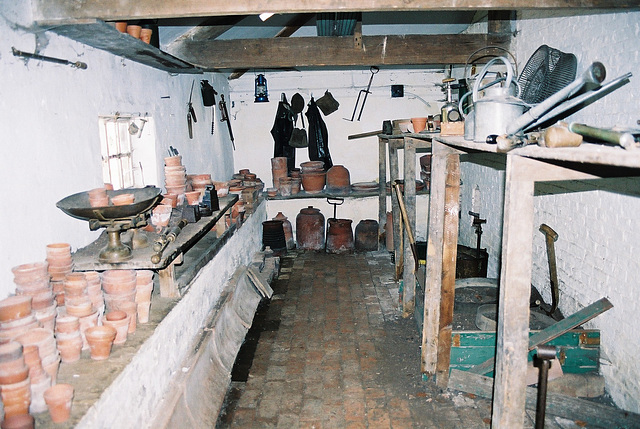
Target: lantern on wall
262, 95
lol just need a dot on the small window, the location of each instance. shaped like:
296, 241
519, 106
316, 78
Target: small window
128, 150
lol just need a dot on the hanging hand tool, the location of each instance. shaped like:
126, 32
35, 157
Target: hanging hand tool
366, 92
405, 219
225, 118
209, 99
191, 114
77, 64
551, 237
543, 358
165, 239
477, 225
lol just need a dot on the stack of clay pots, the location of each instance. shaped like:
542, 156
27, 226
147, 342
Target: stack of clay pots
15, 386
98, 197
68, 338
40, 380
120, 293
16, 317
47, 350
78, 303
199, 182
313, 176
60, 264
94, 290
144, 288
175, 176
33, 280
118, 320
278, 170
338, 180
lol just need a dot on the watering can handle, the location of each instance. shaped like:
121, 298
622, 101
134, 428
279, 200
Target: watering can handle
484, 71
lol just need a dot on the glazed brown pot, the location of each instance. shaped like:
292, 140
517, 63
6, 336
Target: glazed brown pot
366, 237
313, 182
338, 180
339, 236
310, 229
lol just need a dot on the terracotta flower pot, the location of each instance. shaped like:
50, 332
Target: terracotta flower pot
145, 35
419, 124
313, 182
100, 339
41, 337
193, 197
119, 320
16, 398
123, 199
143, 292
131, 308
70, 349
15, 307
121, 26
21, 421
173, 161
312, 166
58, 399
144, 308
33, 361
134, 30
57, 250
67, 324
51, 366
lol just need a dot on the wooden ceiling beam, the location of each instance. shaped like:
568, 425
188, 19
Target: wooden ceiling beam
46, 12
337, 51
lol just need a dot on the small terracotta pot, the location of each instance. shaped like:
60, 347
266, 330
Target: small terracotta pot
57, 250
143, 292
144, 308
70, 347
134, 30
58, 399
67, 324
32, 359
313, 182
119, 320
121, 26
173, 161
123, 199
419, 124
193, 197
51, 366
41, 337
144, 276
15, 307
100, 339
10, 351
145, 35
24, 271
131, 308
16, 398
21, 421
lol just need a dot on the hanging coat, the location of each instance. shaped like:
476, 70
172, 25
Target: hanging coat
318, 136
281, 132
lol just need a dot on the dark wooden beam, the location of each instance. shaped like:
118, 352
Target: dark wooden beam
337, 51
65, 11
500, 21
210, 29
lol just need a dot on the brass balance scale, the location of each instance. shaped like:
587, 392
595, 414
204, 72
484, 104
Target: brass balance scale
115, 219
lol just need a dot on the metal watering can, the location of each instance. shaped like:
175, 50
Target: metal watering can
497, 109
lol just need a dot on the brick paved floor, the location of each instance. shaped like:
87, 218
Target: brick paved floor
333, 352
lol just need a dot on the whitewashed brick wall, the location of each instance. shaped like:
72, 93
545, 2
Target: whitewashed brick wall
598, 227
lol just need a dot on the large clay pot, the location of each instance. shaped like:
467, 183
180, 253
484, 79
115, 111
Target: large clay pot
310, 229
339, 236
288, 230
366, 239
338, 180
313, 181
100, 340
273, 236
58, 399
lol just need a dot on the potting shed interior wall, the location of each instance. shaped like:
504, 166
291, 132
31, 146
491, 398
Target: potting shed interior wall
49, 115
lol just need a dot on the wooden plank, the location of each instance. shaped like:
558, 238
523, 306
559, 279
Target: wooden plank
382, 194
449, 257
63, 10
555, 330
409, 198
429, 353
167, 281
587, 413
395, 208
499, 21
513, 310
336, 51
540, 170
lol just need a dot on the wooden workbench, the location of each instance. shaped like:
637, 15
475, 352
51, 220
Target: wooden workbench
86, 258
524, 166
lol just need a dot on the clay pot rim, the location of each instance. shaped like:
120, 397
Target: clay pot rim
11, 350
115, 315
12, 377
15, 307
33, 267
60, 392
101, 333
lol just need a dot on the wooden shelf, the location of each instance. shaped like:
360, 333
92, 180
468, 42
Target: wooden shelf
303, 195
103, 36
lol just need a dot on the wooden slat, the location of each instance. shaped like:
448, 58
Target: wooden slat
409, 198
337, 51
382, 195
63, 10
395, 208
513, 310
449, 257
586, 412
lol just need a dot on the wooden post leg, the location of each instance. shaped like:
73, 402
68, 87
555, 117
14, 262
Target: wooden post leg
395, 208
513, 309
409, 274
382, 195
166, 278
449, 257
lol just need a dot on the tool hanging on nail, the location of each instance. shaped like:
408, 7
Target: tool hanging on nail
366, 92
77, 64
209, 99
191, 114
225, 118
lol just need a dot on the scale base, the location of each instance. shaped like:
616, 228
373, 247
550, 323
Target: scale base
115, 252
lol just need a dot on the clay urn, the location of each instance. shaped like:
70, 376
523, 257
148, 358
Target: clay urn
58, 399
310, 229
338, 180
366, 236
288, 230
100, 339
313, 181
339, 236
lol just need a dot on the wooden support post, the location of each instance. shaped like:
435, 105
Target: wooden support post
409, 272
167, 280
430, 327
395, 208
382, 193
449, 257
515, 288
